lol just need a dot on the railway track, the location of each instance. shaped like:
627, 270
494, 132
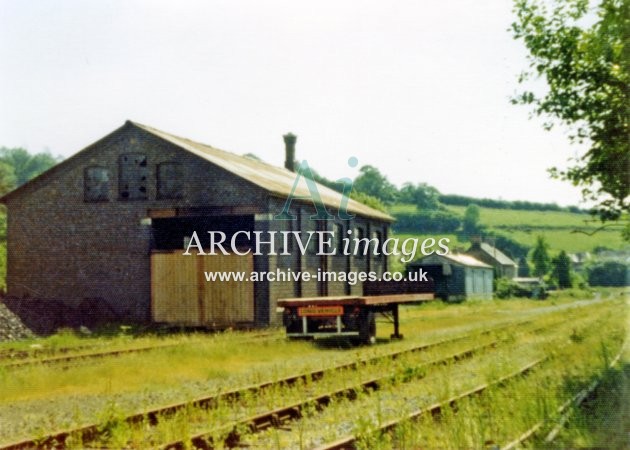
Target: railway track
25, 358
12, 354
150, 418
23, 362
273, 418
279, 417
83, 356
349, 442
562, 414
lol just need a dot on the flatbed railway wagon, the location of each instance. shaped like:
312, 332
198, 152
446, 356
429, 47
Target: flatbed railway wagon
352, 316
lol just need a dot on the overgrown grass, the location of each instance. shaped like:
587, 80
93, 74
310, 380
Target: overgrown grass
52, 396
603, 420
501, 415
496, 419
201, 357
199, 419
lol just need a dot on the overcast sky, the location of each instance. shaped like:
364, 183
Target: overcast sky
418, 89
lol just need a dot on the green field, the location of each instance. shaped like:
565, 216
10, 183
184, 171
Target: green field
563, 230
510, 217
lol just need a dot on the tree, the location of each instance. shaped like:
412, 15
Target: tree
523, 267
470, 224
368, 200
7, 178
334, 185
406, 193
587, 70
17, 166
370, 181
608, 273
26, 166
422, 195
540, 257
562, 270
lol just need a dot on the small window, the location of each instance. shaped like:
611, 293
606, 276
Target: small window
169, 180
96, 184
133, 172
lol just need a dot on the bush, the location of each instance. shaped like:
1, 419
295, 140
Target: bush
427, 222
506, 288
368, 200
608, 273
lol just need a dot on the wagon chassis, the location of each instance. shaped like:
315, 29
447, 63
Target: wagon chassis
344, 316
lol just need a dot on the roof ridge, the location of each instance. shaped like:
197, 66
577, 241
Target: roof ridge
257, 161
208, 153
497, 252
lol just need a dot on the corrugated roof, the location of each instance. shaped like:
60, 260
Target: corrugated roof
465, 260
276, 180
497, 254
456, 258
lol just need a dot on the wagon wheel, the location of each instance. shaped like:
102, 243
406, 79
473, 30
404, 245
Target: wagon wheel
367, 329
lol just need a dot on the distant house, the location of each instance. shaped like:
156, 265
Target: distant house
457, 276
579, 259
503, 264
105, 231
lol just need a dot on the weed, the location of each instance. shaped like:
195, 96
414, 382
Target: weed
577, 336
114, 430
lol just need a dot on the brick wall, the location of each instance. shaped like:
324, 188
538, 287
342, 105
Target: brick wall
61, 247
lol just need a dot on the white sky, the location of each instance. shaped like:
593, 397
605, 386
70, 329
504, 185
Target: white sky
418, 89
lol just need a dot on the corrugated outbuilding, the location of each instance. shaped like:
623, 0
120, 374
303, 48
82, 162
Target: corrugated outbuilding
457, 276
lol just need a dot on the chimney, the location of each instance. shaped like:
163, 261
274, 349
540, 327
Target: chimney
289, 145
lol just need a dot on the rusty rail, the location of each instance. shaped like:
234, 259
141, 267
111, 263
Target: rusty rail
349, 442
563, 412
151, 417
279, 416
97, 355
13, 354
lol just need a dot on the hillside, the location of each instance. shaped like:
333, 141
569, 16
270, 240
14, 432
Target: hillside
558, 227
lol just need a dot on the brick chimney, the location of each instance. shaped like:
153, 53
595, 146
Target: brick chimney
289, 146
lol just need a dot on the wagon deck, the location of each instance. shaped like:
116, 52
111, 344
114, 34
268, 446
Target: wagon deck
356, 300
347, 315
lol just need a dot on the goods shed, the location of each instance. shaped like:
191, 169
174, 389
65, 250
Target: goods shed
106, 229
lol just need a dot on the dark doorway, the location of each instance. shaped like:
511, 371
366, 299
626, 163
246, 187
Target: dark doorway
171, 233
